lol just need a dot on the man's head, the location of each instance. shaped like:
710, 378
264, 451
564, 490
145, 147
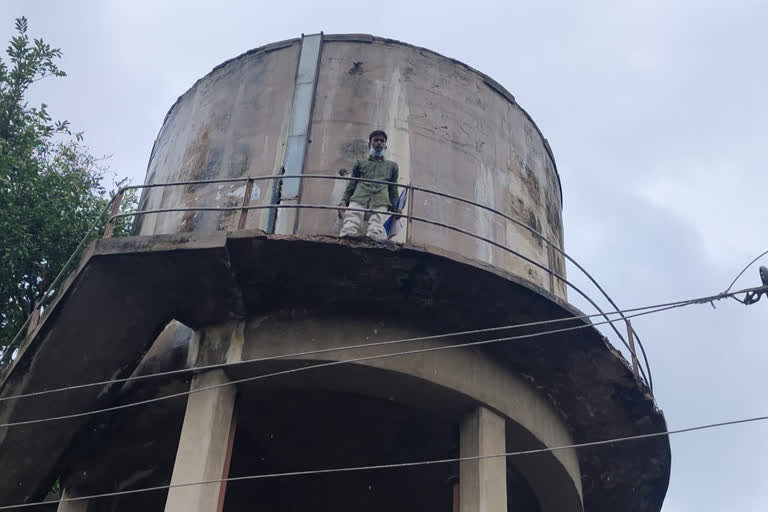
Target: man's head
377, 142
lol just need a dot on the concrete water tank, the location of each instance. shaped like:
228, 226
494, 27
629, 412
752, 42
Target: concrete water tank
281, 108
276, 348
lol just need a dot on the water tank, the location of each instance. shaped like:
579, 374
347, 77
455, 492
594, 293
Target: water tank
283, 109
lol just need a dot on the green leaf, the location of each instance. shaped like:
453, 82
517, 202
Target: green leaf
51, 188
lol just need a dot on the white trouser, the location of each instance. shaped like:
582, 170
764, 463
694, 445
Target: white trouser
353, 220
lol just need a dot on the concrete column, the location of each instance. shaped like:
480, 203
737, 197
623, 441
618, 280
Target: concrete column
71, 506
205, 447
483, 482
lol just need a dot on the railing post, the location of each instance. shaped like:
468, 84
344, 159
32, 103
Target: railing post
34, 318
631, 340
116, 202
246, 203
409, 221
551, 267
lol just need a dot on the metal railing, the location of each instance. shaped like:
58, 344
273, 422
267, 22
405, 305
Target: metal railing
51, 293
642, 371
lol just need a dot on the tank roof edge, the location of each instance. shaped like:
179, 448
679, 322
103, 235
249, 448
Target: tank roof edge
367, 38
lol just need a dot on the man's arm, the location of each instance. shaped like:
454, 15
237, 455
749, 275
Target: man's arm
351, 184
393, 188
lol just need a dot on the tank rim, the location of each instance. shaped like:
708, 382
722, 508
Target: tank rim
367, 38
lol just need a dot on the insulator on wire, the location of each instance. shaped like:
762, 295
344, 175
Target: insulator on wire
754, 296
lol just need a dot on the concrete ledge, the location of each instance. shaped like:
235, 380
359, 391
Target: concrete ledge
126, 290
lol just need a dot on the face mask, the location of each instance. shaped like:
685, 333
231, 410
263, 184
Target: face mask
376, 153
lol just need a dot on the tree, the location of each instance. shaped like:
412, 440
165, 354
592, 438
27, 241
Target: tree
51, 187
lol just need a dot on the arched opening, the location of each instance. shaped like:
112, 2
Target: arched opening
308, 430
300, 430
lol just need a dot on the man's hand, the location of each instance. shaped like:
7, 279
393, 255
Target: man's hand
341, 212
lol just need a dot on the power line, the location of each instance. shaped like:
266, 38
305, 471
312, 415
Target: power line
699, 300
399, 465
313, 352
361, 359
744, 270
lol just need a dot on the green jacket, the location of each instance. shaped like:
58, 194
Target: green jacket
373, 195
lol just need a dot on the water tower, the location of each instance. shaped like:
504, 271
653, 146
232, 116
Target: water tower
235, 266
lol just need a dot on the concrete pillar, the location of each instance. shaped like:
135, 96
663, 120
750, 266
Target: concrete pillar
205, 447
71, 506
483, 482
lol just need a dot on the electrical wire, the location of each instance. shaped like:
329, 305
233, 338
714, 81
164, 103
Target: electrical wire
361, 359
651, 310
323, 351
290, 371
744, 270
699, 300
197, 369
399, 465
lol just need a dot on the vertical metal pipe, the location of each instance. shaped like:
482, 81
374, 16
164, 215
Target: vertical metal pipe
305, 86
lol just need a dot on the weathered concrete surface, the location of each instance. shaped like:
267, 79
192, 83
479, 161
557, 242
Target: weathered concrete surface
452, 129
143, 439
232, 123
203, 280
483, 482
449, 131
112, 309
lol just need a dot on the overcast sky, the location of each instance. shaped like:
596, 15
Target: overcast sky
656, 112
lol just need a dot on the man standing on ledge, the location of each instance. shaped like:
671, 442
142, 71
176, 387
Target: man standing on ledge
380, 197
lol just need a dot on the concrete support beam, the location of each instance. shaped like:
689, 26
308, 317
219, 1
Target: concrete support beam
71, 506
483, 482
205, 447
